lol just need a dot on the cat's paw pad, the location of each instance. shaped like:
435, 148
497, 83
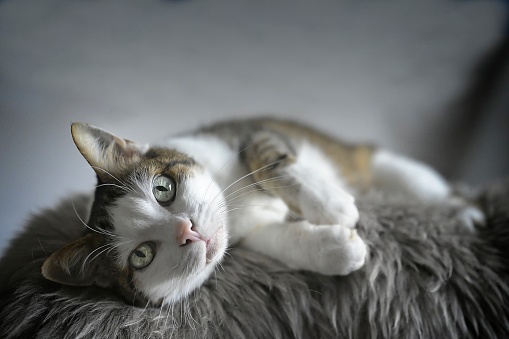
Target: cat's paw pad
334, 207
341, 250
472, 217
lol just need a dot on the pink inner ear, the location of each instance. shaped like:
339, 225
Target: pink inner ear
104, 151
130, 149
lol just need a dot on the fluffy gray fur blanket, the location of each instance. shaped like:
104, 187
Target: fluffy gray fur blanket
426, 277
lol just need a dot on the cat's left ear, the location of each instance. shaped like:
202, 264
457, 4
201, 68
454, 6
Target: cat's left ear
72, 264
105, 152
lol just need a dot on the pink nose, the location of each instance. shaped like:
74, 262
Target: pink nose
185, 232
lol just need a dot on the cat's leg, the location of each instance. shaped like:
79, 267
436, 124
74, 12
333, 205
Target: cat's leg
303, 177
303, 180
393, 173
326, 249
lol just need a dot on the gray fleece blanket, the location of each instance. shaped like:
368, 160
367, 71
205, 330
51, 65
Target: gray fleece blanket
426, 277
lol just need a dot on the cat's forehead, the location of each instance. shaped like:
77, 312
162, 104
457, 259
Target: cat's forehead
157, 161
168, 161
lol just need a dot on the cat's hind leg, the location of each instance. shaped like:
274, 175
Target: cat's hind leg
394, 173
411, 179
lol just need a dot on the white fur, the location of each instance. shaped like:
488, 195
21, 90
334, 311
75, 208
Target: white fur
211, 153
256, 210
325, 249
322, 196
404, 176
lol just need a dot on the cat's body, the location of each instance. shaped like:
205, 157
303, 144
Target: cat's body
162, 214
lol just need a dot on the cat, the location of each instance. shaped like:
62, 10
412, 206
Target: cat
163, 215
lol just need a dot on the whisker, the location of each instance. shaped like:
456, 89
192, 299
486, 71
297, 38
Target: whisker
39, 240
111, 247
233, 157
227, 251
252, 191
231, 197
33, 258
124, 185
146, 304
167, 317
159, 316
245, 176
111, 175
254, 184
90, 254
222, 267
99, 230
114, 185
241, 206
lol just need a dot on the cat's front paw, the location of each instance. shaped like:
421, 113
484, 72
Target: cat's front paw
340, 250
331, 207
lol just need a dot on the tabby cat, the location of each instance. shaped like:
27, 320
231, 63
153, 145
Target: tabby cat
163, 215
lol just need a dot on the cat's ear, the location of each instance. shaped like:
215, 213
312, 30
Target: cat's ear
105, 152
73, 264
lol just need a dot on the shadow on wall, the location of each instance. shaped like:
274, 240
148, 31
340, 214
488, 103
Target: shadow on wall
476, 133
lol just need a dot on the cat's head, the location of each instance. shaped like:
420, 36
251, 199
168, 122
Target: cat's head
156, 229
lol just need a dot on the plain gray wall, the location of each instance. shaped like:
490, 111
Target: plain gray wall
363, 70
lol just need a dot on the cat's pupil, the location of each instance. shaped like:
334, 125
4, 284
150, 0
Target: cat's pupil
161, 188
140, 254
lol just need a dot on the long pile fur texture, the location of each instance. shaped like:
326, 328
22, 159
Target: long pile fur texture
426, 277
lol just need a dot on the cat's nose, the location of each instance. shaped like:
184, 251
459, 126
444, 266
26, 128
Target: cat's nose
186, 233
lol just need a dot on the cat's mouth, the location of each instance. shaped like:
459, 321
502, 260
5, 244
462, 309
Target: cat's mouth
213, 245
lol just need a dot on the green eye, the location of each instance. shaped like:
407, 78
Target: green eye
142, 256
164, 189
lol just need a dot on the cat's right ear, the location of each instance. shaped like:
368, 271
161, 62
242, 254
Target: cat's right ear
105, 152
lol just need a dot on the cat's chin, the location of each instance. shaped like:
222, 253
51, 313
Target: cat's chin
211, 252
192, 283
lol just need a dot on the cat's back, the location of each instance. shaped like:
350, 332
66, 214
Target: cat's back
295, 131
354, 160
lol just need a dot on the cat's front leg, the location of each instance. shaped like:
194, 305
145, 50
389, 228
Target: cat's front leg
325, 249
303, 177
324, 202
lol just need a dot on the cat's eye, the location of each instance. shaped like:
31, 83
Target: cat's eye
164, 189
142, 256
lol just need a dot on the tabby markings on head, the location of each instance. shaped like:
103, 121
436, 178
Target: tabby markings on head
156, 230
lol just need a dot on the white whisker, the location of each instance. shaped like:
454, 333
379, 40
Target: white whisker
245, 176
111, 247
99, 230
236, 198
124, 185
114, 185
233, 157
254, 184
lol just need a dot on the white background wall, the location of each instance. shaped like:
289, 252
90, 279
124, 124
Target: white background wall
364, 70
